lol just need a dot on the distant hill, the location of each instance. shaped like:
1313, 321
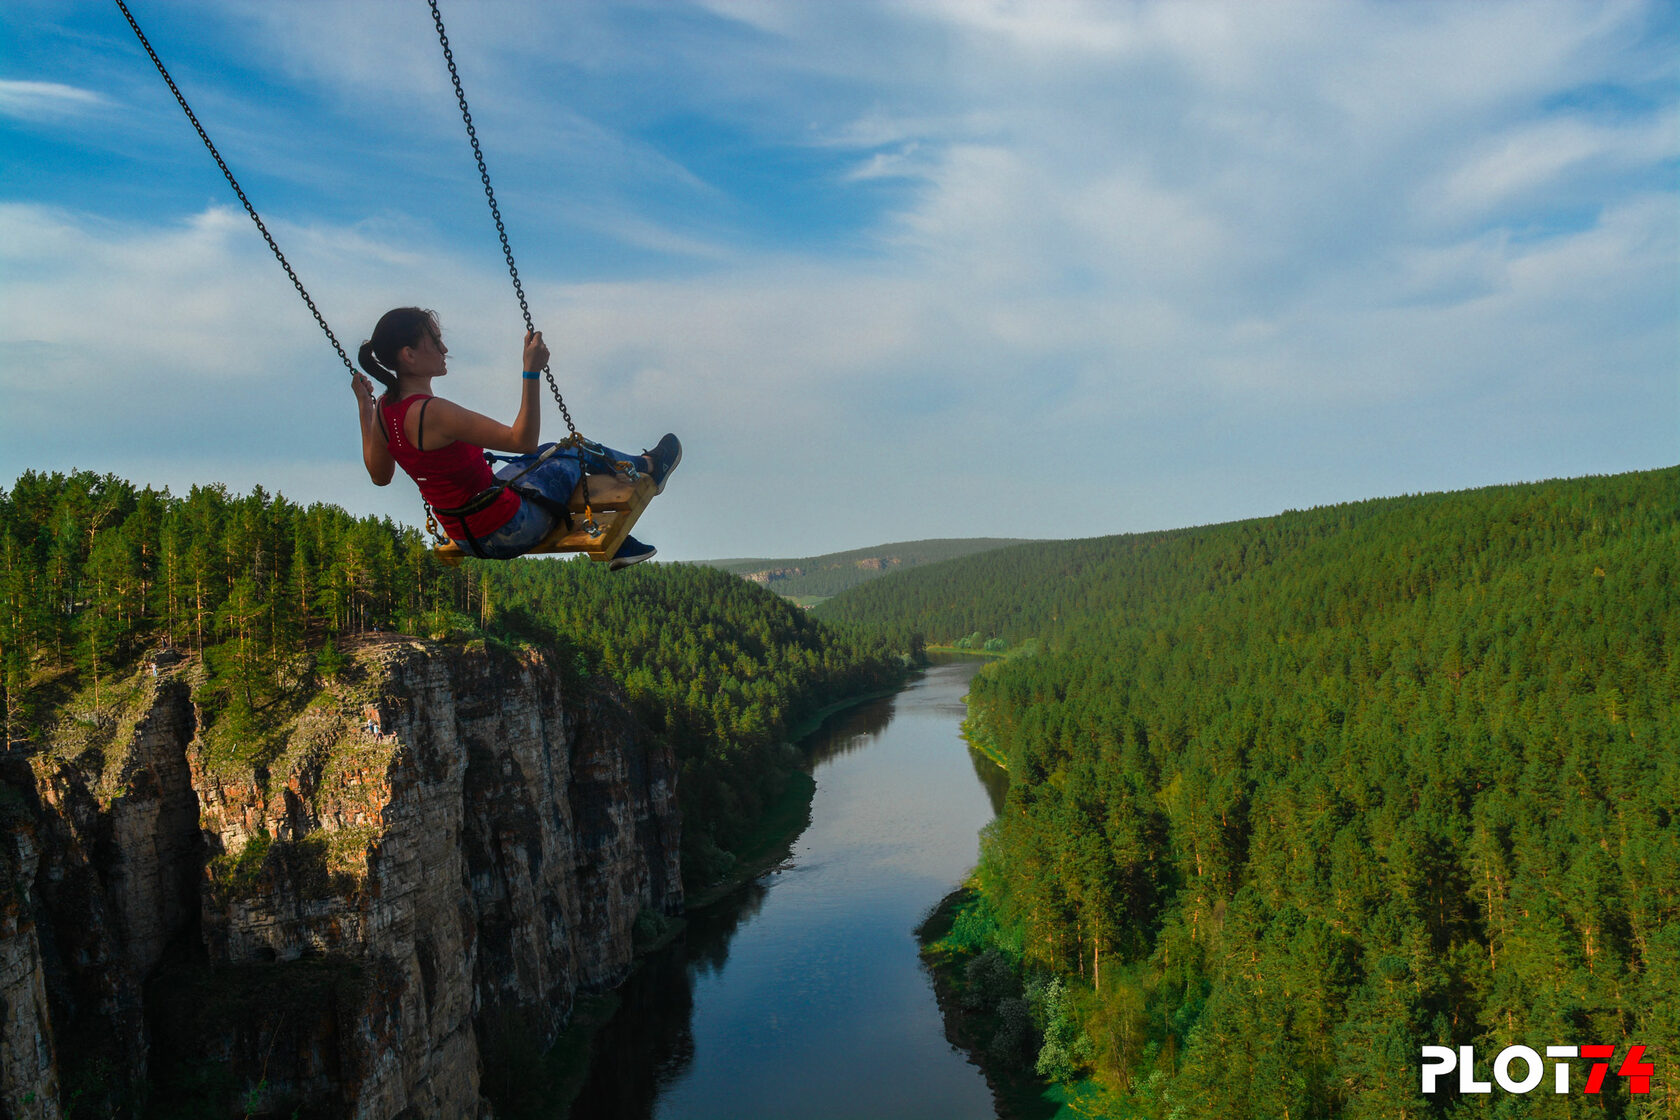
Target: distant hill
821, 576
1058, 587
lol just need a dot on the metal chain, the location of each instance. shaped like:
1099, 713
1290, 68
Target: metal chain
234, 183
507, 252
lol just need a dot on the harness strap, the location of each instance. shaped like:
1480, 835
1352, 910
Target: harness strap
482, 500
472, 541
547, 453
485, 498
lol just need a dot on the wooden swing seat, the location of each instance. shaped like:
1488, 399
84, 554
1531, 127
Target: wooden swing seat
617, 504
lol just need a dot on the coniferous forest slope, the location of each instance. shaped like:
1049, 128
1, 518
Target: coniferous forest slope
1292, 798
276, 784
95, 572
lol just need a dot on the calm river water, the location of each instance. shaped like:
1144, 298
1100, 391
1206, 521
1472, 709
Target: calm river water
802, 995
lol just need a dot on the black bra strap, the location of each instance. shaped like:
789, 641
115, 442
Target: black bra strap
420, 441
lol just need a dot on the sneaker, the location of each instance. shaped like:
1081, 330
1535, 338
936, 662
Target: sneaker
664, 457
632, 551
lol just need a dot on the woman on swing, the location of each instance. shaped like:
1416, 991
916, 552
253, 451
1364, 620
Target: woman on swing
442, 447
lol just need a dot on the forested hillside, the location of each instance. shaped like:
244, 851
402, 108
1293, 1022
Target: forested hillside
817, 577
1292, 798
95, 572
723, 668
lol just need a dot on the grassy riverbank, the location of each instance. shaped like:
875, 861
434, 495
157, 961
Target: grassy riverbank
769, 843
975, 1026
986, 748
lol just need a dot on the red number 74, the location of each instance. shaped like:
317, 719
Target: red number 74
1636, 1071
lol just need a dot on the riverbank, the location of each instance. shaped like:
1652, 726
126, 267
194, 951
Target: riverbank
771, 840
813, 723
1018, 1093
1027, 648
765, 848
984, 749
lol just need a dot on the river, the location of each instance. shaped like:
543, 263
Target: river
802, 994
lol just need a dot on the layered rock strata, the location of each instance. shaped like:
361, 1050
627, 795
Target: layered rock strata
445, 842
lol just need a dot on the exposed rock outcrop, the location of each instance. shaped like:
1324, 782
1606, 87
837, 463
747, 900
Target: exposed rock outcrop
772, 575
338, 931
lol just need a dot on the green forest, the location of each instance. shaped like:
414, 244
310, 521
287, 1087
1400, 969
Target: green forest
727, 671
96, 572
1291, 798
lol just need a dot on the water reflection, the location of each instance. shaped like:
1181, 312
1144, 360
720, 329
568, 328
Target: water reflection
802, 994
649, 1044
711, 930
633, 1066
850, 730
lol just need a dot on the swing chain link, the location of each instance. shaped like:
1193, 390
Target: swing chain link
573, 438
237, 189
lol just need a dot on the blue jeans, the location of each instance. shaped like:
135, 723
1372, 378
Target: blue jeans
555, 479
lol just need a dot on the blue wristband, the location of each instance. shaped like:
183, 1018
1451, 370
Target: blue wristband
531, 374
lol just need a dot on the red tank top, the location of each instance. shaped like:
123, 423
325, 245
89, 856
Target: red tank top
448, 476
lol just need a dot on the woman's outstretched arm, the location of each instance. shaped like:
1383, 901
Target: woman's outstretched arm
452, 422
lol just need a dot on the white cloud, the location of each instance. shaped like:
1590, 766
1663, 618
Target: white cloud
1145, 265
38, 100
1535, 163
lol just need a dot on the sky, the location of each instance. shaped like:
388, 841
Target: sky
892, 271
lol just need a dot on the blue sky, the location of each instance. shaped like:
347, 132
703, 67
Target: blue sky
892, 271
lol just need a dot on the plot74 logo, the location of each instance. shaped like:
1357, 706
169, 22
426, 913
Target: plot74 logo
1438, 1061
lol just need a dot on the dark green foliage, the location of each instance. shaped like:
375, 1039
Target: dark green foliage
1012, 1042
302, 865
95, 573
328, 661
989, 978
237, 876
1291, 798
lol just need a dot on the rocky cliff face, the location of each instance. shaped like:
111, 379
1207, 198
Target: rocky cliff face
440, 844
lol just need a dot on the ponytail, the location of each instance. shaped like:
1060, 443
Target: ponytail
366, 358
399, 327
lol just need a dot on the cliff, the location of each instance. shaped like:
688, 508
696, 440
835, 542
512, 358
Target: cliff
430, 853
